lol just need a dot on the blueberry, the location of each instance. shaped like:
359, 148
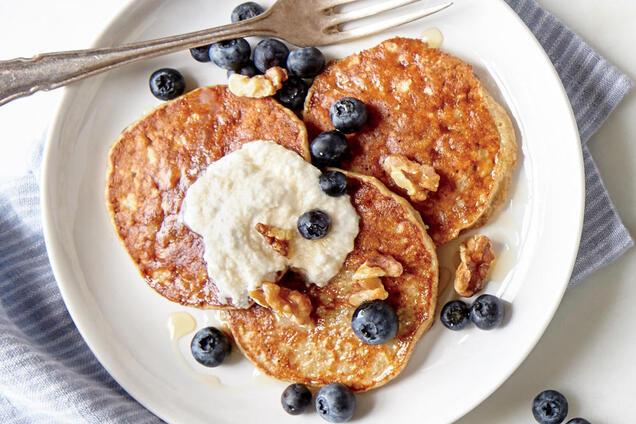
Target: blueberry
314, 225
550, 407
487, 312
269, 53
375, 322
210, 346
335, 403
245, 11
578, 421
295, 399
167, 84
454, 315
293, 93
328, 148
230, 54
306, 62
201, 54
333, 183
248, 70
348, 115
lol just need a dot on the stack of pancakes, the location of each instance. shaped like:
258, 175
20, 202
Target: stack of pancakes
423, 104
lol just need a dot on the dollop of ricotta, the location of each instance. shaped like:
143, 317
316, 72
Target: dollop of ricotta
264, 183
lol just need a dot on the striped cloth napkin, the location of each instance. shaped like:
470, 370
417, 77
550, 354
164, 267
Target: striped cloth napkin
47, 373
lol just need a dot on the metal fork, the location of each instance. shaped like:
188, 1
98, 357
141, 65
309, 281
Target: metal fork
300, 22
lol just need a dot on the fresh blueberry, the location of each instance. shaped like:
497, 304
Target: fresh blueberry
245, 11
314, 225
248, 70
333, 183
210, 346
328, 148
348, 115
293, 93
230, 54
167, 84
269, 53
578, 421
487, 312
375, 322
306, 62
454, 315
335, 403
295, 399
201, 54
550, 407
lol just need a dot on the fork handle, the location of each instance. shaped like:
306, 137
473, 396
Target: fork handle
23, 77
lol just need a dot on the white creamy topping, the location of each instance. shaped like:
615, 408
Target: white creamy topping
265, 183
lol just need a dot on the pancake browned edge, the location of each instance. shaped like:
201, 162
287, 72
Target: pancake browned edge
156, 160
428, 106
330, 351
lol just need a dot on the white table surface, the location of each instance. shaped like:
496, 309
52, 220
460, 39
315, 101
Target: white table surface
589, 350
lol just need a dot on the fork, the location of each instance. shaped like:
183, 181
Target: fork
321, 23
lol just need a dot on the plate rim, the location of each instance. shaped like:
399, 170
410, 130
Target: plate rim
156, 409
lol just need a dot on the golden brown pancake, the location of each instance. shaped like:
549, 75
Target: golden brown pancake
156, 160
428, 106
330, 351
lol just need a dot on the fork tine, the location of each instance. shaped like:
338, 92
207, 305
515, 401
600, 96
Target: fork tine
366, 12
371, 29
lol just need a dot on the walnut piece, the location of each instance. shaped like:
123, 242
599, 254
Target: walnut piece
285, 303
258, 86
367, 284
276, 237
416, 178
378, 265
477, 257
367, 290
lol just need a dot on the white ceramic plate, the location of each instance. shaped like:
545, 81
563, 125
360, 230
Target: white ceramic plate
125, 322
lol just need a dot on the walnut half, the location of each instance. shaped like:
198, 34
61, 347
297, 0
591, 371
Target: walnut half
286, 303
416, 178
258, 86
477, 257
276, 237
367, 283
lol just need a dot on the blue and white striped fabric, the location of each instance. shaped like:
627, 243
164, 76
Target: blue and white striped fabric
595, 88
48, 375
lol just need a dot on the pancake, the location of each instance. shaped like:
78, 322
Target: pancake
330, 352
156, 160
428, 106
